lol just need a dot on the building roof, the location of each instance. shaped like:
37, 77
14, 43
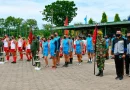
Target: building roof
100, 25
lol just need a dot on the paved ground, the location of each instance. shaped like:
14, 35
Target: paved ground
22, 76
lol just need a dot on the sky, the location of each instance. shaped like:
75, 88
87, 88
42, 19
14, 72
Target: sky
27, 9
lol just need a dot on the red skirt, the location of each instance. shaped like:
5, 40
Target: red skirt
28, 50
12, 50
20, 49
6, 49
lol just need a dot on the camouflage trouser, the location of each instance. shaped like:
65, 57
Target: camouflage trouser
34, 55
100, 62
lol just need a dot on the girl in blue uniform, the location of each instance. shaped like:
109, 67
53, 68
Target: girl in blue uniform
45, 47
79, 49
66, 50
71, 50
53, 50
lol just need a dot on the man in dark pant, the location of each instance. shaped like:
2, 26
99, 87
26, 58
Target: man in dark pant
127, 60
119, 49
119, 65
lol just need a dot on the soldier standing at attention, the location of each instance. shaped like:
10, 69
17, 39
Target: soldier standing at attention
34, 47
118, 52
100, 53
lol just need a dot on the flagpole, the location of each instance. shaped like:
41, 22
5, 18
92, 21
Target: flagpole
95, 49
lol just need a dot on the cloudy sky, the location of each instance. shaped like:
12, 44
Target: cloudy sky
92, 8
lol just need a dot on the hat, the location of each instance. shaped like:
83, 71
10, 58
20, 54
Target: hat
99, 32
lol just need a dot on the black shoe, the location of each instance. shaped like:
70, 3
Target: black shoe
71, 61
64, 64
120, 78
67, 64
13, 62
28, 60
57, 64
117, 78
34, 64
101, 74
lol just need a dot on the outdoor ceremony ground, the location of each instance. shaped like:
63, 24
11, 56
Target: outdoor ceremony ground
23, 76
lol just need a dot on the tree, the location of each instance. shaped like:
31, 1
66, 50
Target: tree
90, 21
117, 18
78, 23
31, 23
2, 23
57, 12
47, 26
104, 18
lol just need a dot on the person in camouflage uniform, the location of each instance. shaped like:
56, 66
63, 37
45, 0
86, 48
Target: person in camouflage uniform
34, 47
100, 53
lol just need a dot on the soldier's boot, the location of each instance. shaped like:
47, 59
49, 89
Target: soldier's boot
98, 73
101, 73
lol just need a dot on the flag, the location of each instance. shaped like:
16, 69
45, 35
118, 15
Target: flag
66, 32
85, 19
95, 35
30, 36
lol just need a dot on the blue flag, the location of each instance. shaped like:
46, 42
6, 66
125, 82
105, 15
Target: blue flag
85, 19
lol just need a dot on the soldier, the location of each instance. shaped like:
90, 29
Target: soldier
118, 53
100, 53
34, 48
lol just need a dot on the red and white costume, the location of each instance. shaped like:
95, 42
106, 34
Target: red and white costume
20, 47
13, 48
6, 47
28, 50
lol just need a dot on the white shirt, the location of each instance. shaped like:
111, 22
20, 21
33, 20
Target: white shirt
12, 45
28, 46
5, 43
20, 43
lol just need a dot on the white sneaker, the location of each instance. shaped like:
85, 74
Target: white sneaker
78, 63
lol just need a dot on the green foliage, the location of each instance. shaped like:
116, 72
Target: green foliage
104, 18
117, 18
56, 12
17, 26
90, 21
47, 26
78, 23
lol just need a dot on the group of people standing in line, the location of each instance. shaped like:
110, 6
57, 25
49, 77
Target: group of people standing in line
54, 46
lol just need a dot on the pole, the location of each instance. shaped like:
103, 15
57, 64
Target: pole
105, 30
95, 49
